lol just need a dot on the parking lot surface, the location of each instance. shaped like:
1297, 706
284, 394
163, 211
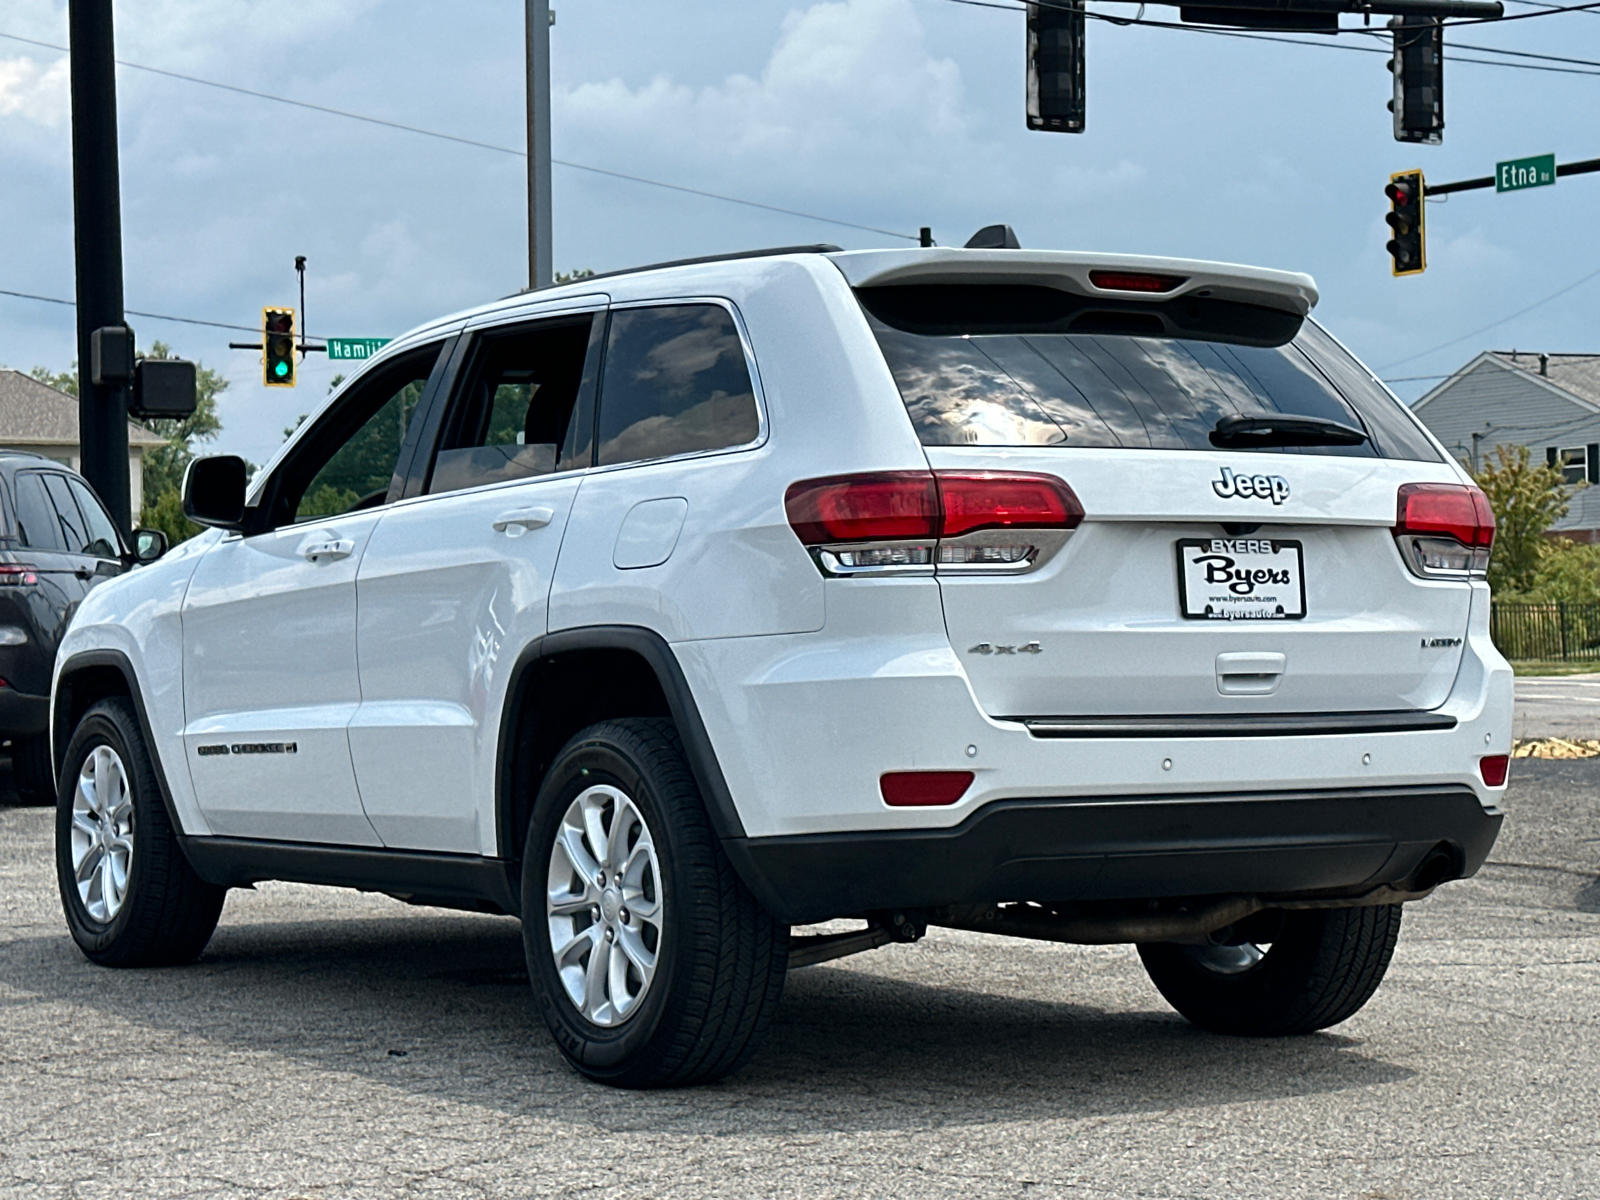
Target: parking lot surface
1565, 706
332, 1044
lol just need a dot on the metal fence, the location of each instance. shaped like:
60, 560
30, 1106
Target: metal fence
1547, 632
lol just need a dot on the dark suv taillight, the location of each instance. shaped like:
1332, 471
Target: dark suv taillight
1444, 530
980, 522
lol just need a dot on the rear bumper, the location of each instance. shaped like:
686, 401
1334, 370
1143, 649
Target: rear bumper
1276, 845
21, 714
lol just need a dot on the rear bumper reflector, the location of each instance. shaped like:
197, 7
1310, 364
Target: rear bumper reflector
1236, 725
923, 789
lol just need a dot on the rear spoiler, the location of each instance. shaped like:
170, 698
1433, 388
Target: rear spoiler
1287, 291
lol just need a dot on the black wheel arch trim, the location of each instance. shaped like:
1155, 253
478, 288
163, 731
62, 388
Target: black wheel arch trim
658, 655
61, 736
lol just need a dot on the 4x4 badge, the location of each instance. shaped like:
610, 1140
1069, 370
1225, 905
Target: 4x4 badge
991, 648
1246, 487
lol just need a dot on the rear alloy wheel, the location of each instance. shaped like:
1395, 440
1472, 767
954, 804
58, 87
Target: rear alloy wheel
1318, 968
651, 963
130, 897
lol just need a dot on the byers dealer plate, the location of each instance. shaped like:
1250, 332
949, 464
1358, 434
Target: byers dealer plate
1241, 579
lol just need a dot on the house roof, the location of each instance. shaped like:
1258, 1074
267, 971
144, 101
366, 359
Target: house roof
34, 413
1575, 373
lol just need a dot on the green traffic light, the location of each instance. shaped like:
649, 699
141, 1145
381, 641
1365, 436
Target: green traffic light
281, 370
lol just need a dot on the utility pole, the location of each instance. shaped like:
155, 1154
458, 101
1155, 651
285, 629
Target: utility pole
97, 234
539, 248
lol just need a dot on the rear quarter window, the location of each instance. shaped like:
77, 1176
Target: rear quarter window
675, 382
1017, 380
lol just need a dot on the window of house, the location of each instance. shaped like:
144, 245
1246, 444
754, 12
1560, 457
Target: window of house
1573, 463
676, 382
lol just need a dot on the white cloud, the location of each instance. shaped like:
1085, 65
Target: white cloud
35, 91
850, 100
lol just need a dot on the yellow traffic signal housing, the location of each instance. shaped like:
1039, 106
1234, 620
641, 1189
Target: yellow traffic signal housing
1408, 247
277, 347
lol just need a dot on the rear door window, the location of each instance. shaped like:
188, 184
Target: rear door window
36, 516
979, 383
676, 382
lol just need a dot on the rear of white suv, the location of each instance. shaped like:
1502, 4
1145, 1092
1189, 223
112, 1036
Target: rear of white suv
1084, 598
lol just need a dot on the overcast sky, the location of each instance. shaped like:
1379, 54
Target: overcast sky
886, 113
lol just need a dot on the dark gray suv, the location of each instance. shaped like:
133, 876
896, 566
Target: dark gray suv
56, 542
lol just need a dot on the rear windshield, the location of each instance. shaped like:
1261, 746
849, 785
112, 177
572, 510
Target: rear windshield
971, 378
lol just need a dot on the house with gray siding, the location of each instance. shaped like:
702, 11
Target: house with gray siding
1549, 403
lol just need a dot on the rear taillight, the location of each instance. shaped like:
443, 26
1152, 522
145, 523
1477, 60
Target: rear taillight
923, 789
17, 575
961, 521
1493, 767
1444, 530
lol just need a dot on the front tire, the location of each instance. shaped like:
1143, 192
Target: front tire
1319, 968
130, 897
651, 962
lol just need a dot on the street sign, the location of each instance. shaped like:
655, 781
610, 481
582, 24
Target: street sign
365, 347
1519, 173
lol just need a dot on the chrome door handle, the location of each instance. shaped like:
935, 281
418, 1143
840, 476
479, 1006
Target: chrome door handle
527, 518
327, 551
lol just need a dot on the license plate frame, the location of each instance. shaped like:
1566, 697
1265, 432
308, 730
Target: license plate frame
1284, 601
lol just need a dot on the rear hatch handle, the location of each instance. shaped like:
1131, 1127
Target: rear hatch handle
1249, 673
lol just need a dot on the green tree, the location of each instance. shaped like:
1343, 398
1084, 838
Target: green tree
1527, 499
62, 381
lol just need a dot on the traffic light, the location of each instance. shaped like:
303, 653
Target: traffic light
277, 345
1418, 66
1407, 247
1055, 66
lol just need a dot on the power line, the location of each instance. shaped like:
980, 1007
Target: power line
465, 141
1492, 324
135, 313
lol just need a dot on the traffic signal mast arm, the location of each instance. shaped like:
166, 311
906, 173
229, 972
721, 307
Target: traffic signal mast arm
1585, 167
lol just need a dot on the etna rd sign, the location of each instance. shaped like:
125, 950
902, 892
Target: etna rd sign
355, 347
1519, 173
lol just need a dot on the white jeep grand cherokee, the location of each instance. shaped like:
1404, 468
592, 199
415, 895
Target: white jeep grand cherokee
1081, 597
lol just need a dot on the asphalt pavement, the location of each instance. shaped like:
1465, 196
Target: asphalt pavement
1565, 706
331, 1044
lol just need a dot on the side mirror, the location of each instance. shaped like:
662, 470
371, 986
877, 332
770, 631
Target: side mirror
148, 545
213, 491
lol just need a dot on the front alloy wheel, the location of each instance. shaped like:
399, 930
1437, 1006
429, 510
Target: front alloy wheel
102, 833
604, 905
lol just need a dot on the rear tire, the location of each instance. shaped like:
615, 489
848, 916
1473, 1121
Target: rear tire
32, 772
130, 897
1320, 968
678, 989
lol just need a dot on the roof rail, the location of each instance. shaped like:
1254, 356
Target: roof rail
817, 248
